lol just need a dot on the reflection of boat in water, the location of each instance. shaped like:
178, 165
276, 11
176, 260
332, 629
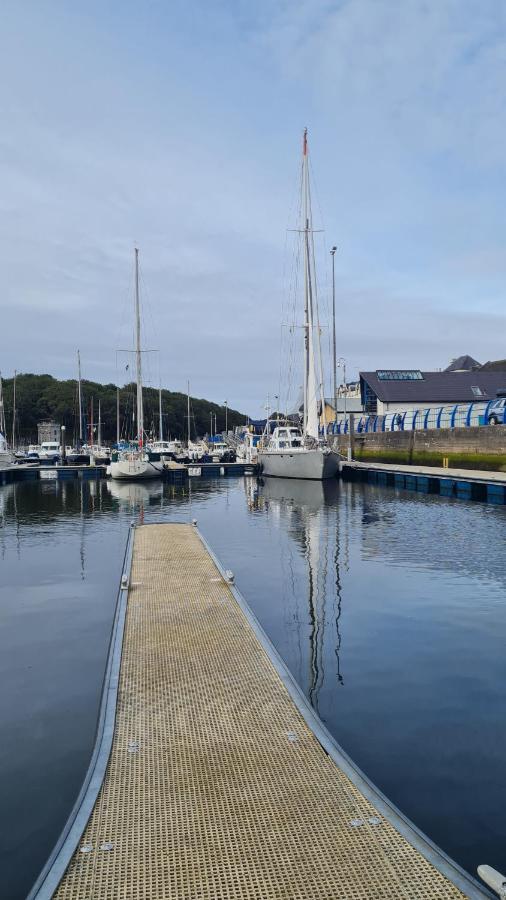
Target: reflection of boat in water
308, 508
135, 493
304, 493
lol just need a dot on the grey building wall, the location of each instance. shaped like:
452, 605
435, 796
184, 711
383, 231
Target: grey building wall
48, 431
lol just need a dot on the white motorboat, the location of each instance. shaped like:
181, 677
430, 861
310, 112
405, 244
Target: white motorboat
50, 451
134, 463
217, 450
291, 452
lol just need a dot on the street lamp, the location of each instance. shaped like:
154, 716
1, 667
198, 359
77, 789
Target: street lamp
333, 253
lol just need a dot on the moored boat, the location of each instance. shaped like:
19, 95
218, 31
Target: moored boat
293, 452
134, 463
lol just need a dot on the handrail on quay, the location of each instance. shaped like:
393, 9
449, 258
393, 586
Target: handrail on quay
457, 415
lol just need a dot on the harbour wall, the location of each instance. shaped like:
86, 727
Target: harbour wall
465, 448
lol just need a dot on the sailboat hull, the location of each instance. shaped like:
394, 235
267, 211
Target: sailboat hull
311, 464
135, 469
6, 459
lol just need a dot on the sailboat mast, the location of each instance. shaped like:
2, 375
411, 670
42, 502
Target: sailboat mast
117, 415
99, 426
14, 412
306, 274
140, 417
160, 411
80, 398
313, 382
188, 413
2, 411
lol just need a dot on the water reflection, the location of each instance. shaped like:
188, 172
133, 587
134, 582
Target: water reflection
311, 512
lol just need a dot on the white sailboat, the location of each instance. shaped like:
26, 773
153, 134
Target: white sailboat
293, 452
134, 463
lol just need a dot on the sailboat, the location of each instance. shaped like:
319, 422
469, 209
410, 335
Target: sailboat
134, 463
291, 451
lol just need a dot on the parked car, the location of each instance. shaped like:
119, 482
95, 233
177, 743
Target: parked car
496, 412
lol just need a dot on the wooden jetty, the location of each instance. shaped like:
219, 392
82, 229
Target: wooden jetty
221, 781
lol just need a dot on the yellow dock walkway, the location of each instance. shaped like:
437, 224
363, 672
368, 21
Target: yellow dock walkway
216, 787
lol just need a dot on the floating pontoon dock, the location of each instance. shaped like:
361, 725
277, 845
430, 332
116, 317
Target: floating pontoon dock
222, 782
465, 484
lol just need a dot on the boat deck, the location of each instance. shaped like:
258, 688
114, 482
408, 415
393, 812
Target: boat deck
216, 786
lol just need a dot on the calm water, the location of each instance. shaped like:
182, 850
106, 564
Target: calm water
389, 608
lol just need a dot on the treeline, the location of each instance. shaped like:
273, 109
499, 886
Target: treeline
42, 397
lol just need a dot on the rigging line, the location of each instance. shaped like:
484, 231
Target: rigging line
316, 307
326, 291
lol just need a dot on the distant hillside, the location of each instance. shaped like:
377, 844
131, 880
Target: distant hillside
40, 397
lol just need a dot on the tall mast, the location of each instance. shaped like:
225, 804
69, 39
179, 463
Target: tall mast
91, 423
160, 411
2, 411
306, 279
117, 415
14, 412
80, 398
312, 385
140, 416
99, 426
334, 354
188, 413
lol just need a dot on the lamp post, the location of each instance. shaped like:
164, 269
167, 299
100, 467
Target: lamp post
63, 447
333, 253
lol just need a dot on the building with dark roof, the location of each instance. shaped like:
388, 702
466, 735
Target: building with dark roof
463, 364
395, 390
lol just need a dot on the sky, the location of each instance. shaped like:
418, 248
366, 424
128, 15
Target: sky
176, 127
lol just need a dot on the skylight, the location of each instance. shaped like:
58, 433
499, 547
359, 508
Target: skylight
399, 375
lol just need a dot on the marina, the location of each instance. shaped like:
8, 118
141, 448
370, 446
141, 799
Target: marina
252, 452
345, 623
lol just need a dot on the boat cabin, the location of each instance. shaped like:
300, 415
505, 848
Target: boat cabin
286, 437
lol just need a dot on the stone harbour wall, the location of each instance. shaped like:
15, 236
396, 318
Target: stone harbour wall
468, 448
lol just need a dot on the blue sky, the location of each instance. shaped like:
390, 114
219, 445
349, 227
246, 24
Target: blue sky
177, 127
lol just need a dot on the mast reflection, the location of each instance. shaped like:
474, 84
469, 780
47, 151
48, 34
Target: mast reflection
311, 513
